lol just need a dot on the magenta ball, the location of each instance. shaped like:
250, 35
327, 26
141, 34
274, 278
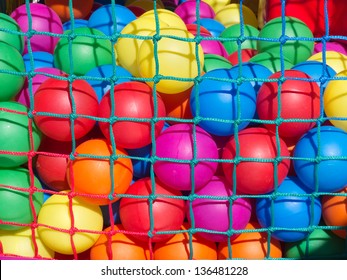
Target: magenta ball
214, 47
187, 11
24, 95
213, 214
330, 46
44, 19
176, 143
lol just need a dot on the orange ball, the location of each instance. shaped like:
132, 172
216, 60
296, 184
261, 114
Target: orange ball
119, 246
334, 210
177, 248
250, 245
81, 8
92, 176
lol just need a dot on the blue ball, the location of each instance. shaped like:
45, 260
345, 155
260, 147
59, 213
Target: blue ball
106, 213
106, 72
223, 101
316, 70
141, 166
331, 173
102, 18
212, 25
41, 60
289, 211
77, 23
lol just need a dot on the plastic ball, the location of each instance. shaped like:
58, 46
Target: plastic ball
329, 46
43, 19
168, 17
230, 15
115, 245
142, 165
15, 205
252, 245
108, 216
145, 5
212, 25
102, 18
256, 176
214, 214
84, 103
89, 174
127, 48
335, 60
317, 71
217, 4
289, 211
232, 35
272, 61
300, 99
167, 211
24, 95
8, 23
55, 224
335, 101
178, 248
87, 52
187, 11
213, 62
80, 8
16, 133
180, 62
133, 100
320, 244
40, 59
106, 72
245, 55
77, 23
327, 175
12, 61
224, 95
177, 143
334, 208
296, 51
20, 243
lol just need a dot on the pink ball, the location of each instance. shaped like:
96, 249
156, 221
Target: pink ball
187, 11
24, 95
44, 19
213, 214
330, 46
176, 143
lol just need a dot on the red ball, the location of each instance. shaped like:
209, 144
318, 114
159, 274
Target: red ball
54, 107
246, 55
299, 100
131, 100
168, 213
257, 155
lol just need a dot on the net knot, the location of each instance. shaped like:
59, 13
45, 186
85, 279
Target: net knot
31, 33
283, 39
278, 121
156, 38
157, 78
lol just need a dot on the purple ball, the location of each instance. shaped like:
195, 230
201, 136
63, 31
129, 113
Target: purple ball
213, 214
44, 19
176, 143
214, 47
330, 46
187, 11
23, 96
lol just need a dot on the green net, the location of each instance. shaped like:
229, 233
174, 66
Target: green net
193, 130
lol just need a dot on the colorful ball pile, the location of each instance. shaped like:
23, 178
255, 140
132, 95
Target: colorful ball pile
188, 131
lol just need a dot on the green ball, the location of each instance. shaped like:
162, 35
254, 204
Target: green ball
17, 41
213, 61
233, 32
272, 61
321, 244
15, 135
295, 50
10, 60
87, 52
15, 204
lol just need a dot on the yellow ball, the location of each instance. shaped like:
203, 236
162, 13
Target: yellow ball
176, 58
217, 4
166, 16
335, 60
230, 15
128, 48
335, 100
20, 243
55, 213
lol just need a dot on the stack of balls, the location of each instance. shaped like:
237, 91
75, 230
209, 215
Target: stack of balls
175, 131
